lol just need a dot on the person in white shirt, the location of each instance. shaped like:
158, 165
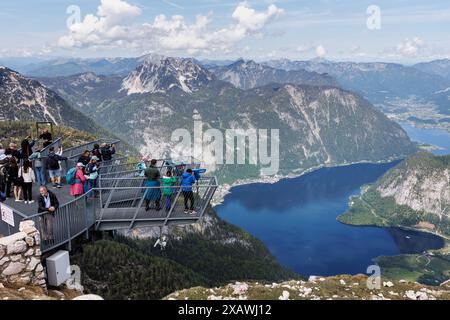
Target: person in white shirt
27, 173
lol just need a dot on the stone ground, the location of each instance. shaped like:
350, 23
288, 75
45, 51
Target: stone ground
317, 288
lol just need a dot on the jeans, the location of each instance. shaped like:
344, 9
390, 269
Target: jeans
168, 201
188, 196
27, 191
40, 176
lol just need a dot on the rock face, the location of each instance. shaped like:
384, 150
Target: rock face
164, 74
415, 193
20, 257
421, 182
22, 98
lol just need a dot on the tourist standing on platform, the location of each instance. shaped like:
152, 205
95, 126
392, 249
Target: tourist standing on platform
47, 202
153, 194
27, 145
77, 188
168, 191
188, 180
85, 158
141, 166
91, 172
12, 151
47, 137
11, 173
53, 167
96, 152
27, 174
39, 168
107, 151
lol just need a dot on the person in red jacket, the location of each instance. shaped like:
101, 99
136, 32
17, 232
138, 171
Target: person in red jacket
77, 189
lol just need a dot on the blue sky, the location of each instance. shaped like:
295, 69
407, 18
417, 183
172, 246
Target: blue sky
334, 29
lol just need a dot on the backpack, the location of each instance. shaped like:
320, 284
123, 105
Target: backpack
70, 177
52, 163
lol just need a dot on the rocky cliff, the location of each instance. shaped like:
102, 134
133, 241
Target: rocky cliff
416, 193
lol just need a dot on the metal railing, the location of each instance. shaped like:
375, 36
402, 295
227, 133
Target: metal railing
7, 229
70, 221
123, 205
77, 151
161, 165
119, 202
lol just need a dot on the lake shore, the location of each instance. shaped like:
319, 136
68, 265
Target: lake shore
225, 189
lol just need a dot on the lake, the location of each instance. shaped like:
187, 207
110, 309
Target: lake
436, 137
296, 219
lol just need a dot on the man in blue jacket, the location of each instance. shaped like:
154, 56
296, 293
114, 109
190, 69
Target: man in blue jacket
188, 180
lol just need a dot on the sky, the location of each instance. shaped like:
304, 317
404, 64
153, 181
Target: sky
357, 30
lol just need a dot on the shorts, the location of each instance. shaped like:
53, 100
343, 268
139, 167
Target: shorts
54, 173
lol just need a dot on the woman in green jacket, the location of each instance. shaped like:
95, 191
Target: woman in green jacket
168, 190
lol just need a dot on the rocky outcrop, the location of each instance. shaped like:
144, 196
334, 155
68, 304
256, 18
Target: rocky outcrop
421, 182
20, 257
318, 288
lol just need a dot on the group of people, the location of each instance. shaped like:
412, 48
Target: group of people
169, 180
84, 176
16, 168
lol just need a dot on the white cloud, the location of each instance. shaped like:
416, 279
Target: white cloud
320, 51
111, 28
409, 47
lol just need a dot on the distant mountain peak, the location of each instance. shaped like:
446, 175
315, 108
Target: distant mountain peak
158, 74
248, 74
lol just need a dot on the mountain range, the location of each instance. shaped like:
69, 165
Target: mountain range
318, 124
249, 74
383, 84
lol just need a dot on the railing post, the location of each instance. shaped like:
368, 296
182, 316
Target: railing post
173, 206
68, 230
86, 214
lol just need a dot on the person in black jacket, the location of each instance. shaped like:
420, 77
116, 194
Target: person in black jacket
85, 158
107, 151
27, 147
53, 167
96, 152
47, 203
47, 137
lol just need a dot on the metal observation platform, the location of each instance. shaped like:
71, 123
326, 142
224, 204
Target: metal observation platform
117, 203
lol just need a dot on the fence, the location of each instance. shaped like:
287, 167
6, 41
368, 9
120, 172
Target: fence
77, 151
123, 203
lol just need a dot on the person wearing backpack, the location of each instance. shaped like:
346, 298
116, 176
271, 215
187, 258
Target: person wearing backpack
39, 167
53, 167
11, 173
27, 174
76, 179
